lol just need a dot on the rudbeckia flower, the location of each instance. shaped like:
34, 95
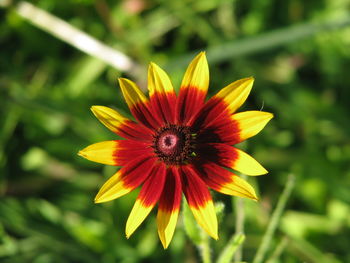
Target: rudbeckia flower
178, 144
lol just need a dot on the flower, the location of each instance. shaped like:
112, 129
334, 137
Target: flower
178, 144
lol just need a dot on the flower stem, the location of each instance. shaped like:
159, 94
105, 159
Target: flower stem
204, 248
240, 217
271, 228
231, 248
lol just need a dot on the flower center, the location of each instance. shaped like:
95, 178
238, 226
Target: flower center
174, 144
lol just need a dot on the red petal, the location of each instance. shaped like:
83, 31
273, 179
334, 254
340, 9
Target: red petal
223, 181
221, 130
135, 131
128, 149
162, 95
147, 198
143, 113
137, 170
121, 125
169, 206
199, 201
171, 196
195, 190
138, 103
219, 153
213, 178
163, 106
190, 101
225, 102
117, 153
213, 109
126, 179
153, 186
230, 157
193, 89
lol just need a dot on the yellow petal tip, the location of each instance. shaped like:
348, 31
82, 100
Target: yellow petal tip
201, 56
216, 236
129, 232
152, 67
270, 115
152, 64
97, 200
95, 108
101, 199
121, 81
165, 245
250, 81
266, 115
254, 197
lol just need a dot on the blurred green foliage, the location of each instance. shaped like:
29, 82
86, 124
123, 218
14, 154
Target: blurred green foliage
47, 87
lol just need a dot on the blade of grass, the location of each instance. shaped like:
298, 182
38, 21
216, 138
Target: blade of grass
278, 250
231, 248
275, 218
308, 252
265, 41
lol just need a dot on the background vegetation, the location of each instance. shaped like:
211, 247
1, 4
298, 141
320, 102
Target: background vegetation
299, 53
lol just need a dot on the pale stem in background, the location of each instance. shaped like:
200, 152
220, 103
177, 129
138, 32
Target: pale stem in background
77, 38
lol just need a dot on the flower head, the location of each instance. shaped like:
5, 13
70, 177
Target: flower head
178, 144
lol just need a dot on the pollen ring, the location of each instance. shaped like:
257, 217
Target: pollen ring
174, 144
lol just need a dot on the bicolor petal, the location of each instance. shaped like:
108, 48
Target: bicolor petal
116, 153
231, 157
250, 123
138, 103
199, 200
233, 129
193, 89
220, 107
121, 125
169, 206
223, 181
147, 199
162, 94
126, 179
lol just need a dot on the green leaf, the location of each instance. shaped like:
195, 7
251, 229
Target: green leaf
191, 227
